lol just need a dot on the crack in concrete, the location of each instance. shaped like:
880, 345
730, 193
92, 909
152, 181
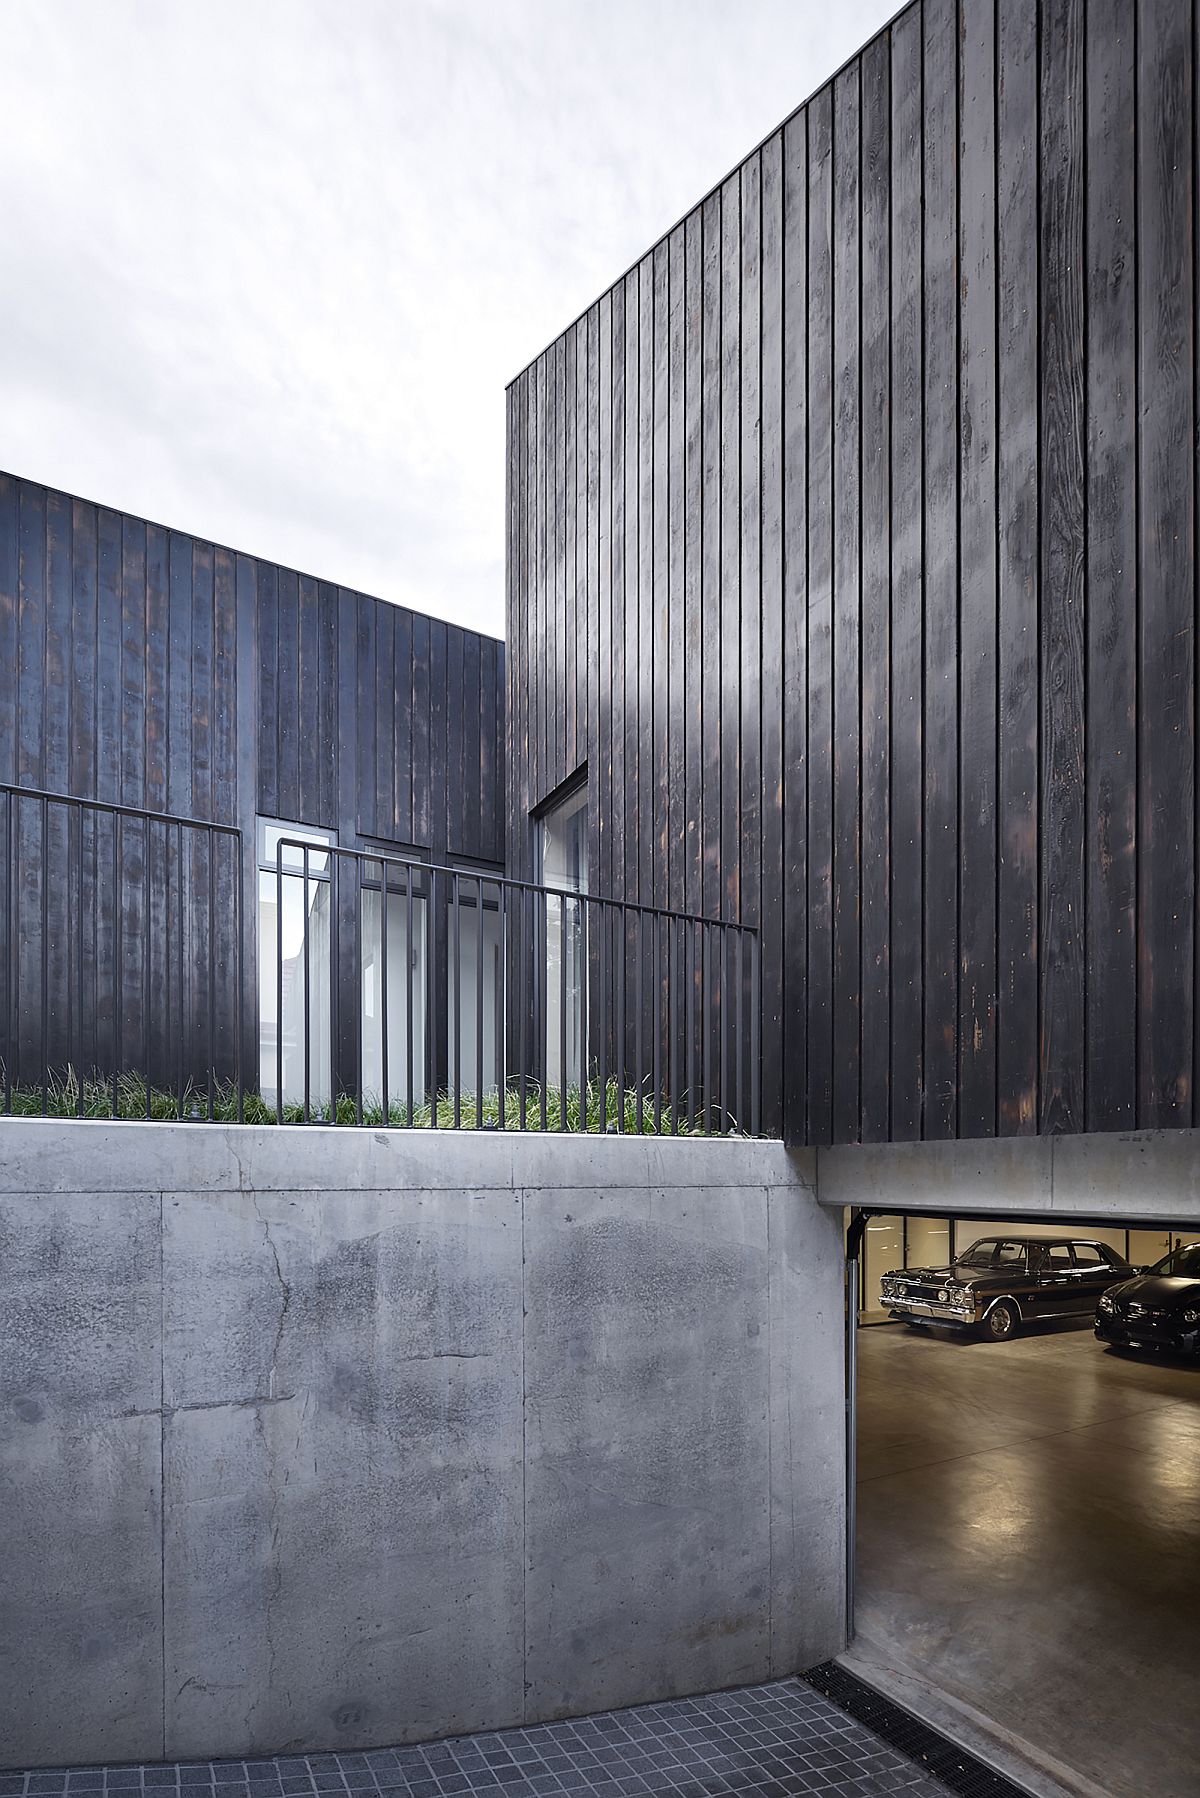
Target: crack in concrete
285, 1290
213, 1404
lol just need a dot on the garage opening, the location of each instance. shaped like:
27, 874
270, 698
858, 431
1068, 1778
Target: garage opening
1027, 1496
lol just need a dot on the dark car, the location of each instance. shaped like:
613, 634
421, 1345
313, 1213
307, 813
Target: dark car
1002, 1281
1157, 1309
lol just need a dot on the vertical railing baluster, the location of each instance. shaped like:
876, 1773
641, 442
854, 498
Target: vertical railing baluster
620, 921
583, 964
307, 992
79, 1056
182, 1030
673, 973
562, 1012
279, 980
755, 1036
456, 952
740, 1036
639, 1002
212, 914
239, 913
542, 915
334, 973
147, 842
688, 934
706, 976
500, 1025
12, 950
408, 992
660, 1022
523, 960
724, 1027
479, 1004
432, 1006
45, 1034
602, 1034
383, 992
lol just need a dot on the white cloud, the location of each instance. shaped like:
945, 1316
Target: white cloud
268, 264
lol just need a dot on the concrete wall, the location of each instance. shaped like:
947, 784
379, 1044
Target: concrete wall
1135, 1177
312, 1438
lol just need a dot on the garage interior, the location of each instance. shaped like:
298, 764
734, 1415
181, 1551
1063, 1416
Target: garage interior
1027, 1567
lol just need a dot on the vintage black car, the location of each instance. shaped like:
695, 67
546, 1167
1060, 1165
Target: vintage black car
1002, 1281
1159, 1308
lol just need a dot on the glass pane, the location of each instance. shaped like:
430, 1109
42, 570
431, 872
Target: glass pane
563, 838
301, 950
400, 961
469, 1069
269, 835
564, 991
883, 1253
563, 862
928, 1242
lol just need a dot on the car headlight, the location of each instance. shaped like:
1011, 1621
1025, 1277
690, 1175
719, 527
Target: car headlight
1191, 1317
1106, 1304
961, 1297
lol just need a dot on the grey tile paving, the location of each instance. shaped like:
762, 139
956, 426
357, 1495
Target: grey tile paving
782, 1740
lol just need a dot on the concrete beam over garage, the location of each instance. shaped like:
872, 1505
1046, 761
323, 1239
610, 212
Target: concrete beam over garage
1139, 1177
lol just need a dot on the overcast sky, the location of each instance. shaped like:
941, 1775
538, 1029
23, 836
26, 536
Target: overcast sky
267, 265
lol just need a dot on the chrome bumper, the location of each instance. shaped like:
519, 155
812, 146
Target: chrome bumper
922, 1308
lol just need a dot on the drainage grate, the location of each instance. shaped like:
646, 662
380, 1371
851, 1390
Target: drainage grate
957, 1769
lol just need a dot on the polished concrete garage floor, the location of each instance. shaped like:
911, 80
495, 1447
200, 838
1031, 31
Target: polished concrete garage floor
1029, 1545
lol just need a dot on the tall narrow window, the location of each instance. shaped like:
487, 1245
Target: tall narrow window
294, 964
394, 986
563, 865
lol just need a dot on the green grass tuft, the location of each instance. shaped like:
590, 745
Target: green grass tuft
594, 1109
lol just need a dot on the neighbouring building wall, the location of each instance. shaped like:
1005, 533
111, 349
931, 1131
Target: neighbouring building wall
146, 667
326, 1439
852, 549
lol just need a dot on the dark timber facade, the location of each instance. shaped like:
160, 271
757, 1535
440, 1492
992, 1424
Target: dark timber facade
151, 669
852, 552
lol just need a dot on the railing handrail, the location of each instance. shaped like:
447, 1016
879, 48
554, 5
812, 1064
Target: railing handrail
119, 810
497, 879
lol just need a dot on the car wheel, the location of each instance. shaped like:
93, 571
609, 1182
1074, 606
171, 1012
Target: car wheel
1000, 1322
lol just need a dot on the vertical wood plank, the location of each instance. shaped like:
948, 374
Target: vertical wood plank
731, 507
1166, 565
795, 625
941, 569
819, 955
847, 602
978, 673
907, 407
1062, 487
10, 532
711, 885
83, 653
1017, 1048
158, 642
875, 504
31, 638
57, 672
771, 682
1111, 535
676, 817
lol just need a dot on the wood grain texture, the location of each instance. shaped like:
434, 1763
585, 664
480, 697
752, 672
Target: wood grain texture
945, 545
144, 667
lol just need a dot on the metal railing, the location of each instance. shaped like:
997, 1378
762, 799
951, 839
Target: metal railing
439, 997
390, 991
121, 974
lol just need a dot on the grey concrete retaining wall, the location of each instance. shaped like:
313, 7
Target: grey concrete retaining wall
312, 1438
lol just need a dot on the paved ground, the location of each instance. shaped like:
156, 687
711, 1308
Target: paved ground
779, 1740
1029, 1542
